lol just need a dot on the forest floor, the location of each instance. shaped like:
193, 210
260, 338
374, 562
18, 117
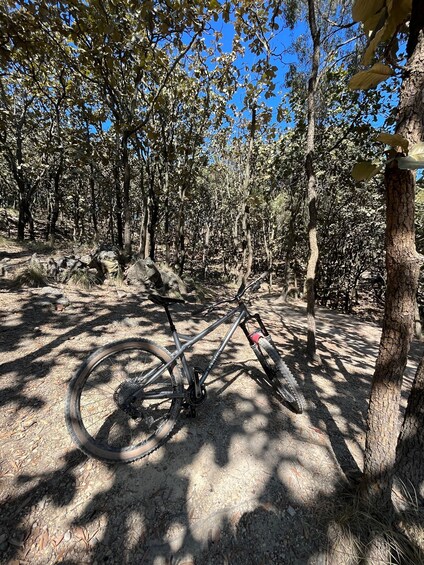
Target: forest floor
246, 482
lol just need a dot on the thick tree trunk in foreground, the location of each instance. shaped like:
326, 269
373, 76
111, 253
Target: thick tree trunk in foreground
312, 193
402, 266
410, 449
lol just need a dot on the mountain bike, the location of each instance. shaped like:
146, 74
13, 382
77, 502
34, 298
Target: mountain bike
124, 400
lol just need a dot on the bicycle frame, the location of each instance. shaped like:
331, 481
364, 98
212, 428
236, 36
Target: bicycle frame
242, 318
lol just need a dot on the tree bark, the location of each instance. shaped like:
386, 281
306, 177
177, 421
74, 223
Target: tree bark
180, 235
410, 447
245, 266
402, 264
126, 198
312, 182
118, 207
25, 217
93, 206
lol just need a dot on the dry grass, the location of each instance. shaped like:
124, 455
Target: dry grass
84, 279
358, 535
34, 275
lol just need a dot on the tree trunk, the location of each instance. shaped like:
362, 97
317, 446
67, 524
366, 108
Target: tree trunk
25, 217
167, 213
126, 198
205, 255
118, 207
402, 279
54, 206
93, 201
245, 267
180, 236
410, 448
153, 218
312, 194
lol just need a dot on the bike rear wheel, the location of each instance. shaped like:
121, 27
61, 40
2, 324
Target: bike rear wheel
280, 375
100, 417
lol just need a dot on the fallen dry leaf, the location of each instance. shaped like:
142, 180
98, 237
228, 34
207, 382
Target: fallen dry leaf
43, 540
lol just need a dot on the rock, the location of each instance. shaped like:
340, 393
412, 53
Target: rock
172, 282
4, 266
50, 291
144, 272
86, 259
52, 268
130, 323
63, 301
107, 262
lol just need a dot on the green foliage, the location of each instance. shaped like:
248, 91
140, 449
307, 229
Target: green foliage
415, 158
394, 140
365, 170
382, 21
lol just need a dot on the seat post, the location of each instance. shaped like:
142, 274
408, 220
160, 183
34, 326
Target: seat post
168, 315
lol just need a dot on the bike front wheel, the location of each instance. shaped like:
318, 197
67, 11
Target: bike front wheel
100, 416
280, 375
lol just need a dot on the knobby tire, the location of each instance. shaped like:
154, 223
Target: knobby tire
280, 375
97, 416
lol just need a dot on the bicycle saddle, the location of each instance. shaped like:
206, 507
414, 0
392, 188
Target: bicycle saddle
164, 300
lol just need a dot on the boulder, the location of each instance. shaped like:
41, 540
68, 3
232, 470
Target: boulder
144, 272
107, 262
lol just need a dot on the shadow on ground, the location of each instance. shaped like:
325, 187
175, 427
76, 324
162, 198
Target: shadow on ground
245, 482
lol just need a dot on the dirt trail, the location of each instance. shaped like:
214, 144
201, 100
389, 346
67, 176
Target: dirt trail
246, 482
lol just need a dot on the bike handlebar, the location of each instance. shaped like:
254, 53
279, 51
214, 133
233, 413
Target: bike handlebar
252, 287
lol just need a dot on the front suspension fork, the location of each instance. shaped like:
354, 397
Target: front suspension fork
261, 331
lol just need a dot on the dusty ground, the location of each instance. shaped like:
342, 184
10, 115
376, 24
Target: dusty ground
246, 482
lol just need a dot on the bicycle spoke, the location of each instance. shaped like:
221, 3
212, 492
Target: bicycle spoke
110, 414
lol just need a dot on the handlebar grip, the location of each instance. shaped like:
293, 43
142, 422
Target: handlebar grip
256, 285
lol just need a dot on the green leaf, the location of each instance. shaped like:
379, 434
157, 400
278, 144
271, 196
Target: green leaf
374, 21
417, 151
394, 140
364, 170
415, 159
371, 77
364, 9
410, 163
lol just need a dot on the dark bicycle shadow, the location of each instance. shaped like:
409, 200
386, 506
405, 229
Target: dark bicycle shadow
245, 482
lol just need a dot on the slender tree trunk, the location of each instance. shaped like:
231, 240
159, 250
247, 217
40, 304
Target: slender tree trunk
126, 198
54, 206
402, 264
93, 201
144, 216
206, 240
118, 206
22, 219
180, 239
92, 182
245, 266
153, 218
312, 182
144, 235
167, 218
